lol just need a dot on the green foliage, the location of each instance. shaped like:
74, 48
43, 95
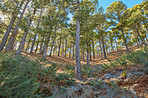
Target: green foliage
133, 58
18, 76
124, 73
69, 69
64, 79
86, 70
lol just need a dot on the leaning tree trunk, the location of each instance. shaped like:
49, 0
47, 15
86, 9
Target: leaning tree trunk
28, 45
93, 49
12, 37
37, 47
41, 45
125, 41
4, 40
32, 46
18, 52
59, 46
104, 52
77, 55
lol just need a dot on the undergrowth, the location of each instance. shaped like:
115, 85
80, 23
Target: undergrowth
131, 59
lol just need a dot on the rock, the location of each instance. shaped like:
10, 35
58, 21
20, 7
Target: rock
97, 93
107, 76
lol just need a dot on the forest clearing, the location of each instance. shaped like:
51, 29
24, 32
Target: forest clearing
73, 49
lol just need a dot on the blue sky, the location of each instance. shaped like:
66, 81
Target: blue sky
106, 3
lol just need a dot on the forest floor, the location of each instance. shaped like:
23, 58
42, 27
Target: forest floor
66, 60
112, 82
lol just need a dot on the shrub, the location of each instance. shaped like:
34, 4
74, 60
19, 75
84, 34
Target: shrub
18, 76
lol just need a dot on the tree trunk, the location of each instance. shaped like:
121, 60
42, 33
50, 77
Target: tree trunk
41, 45
117, 45
93, 49
83, 54
73, 51
46, 46
37, 47
127, 50
4, 40
32, 46
65, 47
87, 54
27, 45
18, 52
103, 47
59, 46
90, 52
77, 50
12, 37
70, 52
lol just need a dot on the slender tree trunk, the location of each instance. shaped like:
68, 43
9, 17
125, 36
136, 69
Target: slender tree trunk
4, 40
27, 45
62, 52
87, 54
41, 45
73, 51
90, 53
104, 52
117, 45
101, 50
93, 49
70, 52
31, 51
112, 46
59, 46
127, 50
83, 54
77, 42
12, 37
21, 46
65, 47
37, 47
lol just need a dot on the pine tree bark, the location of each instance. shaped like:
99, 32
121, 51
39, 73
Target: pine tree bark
41, 45
12, 37
83, 55
46, 46
77, 42
65, 47
125, 41
73, 51
87, 54
70, 52
36, 47
59, 46
28, 45
93, 49
104, 52
101, 49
